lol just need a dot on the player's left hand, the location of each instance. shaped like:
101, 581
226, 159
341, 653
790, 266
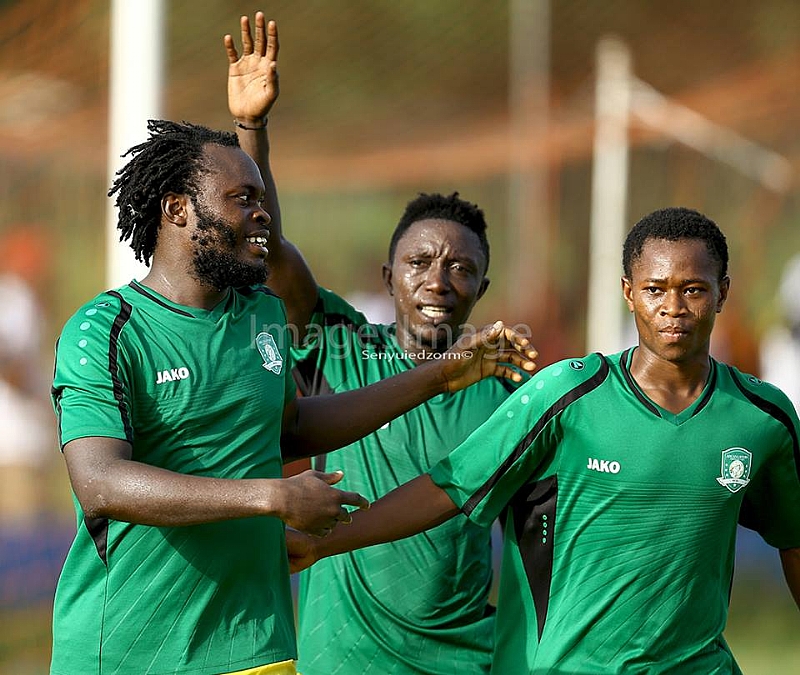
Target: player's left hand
490, 351
300, 549
253, 76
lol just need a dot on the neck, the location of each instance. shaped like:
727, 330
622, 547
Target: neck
419, 352
182, 289
674, 385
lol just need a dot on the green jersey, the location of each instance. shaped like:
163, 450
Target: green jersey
417, 606
196, 392
620, 516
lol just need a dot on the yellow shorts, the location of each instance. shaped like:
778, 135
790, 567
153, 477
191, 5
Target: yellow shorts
282, 668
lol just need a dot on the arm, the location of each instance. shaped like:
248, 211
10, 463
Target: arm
317, 424
790, 560
252, 91
110, 484
412, 508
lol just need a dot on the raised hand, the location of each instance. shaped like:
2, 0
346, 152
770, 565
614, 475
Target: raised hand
489, 352
310, 504
253, 76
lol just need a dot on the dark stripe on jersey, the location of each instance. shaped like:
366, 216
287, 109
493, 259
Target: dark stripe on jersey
570, 397
98, 530
773, 411
709, 390
55, 394
309, 378
533, 510
113, 362
623, 362
140, 289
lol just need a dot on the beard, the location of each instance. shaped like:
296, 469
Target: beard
214, 262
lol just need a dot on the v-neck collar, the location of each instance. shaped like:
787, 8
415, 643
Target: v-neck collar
193, 312
674, 418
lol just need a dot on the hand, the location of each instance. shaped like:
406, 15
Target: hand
253, 77
301, 550
490, 351
311, 505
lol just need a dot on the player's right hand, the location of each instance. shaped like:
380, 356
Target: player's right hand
309, 503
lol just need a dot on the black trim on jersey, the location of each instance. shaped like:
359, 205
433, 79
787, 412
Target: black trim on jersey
646, 402
98, 531
774, 411
510, 388
141, 290
570, 397
310, 379
113, 362
533, 510
56, 394
712, 384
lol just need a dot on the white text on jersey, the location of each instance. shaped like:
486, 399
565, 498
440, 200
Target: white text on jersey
603, 465
172, 375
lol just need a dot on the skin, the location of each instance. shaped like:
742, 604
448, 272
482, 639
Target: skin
436, 262
110, 484
675, 293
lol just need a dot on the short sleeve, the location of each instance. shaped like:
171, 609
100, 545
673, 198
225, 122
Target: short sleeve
771, 505
91, 386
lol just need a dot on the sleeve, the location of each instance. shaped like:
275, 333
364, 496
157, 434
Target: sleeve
518, 443
91, 384
771, 505
320, 362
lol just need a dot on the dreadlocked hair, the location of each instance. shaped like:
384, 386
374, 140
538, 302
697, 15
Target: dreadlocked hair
170, 160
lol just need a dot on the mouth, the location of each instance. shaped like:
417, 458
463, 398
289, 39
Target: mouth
673, 333
258, 244
435, 313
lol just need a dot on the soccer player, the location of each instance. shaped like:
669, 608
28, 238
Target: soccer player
176, 408
622, 479
418, 606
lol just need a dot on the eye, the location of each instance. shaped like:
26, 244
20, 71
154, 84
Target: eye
244, 198
693, 290
416, 262
652, 290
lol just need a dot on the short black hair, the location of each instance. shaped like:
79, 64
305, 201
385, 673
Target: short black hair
170, 160
435, 206
675, 223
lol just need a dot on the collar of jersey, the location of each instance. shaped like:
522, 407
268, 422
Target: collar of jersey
675, 418
184, 310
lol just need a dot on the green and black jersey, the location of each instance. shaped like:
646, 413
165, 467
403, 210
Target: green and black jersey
620, 517
196, 392
412, 607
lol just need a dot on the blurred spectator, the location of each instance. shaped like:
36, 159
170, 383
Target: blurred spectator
26, 427
780, 347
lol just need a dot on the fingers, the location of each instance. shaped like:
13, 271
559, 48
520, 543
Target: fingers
272, 41
230, 49
353, 499
247, 38
331, 478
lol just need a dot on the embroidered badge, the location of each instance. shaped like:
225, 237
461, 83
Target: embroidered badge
736, 463
273, 361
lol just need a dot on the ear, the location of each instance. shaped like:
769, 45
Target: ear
482, 289
386, 272
175, 208
627, 292
724, 287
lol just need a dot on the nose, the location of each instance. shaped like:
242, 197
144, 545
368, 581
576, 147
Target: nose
262, 216
673, 304
437, 279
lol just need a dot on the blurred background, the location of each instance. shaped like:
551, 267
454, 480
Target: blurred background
565, 121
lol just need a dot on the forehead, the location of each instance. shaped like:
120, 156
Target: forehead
684, 258
442, 236
228, 167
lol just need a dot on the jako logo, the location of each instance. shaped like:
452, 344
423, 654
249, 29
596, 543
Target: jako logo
603, 465
171, 375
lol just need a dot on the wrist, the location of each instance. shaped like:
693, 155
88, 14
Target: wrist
251, 123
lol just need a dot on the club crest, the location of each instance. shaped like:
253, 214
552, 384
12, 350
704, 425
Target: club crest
273, 361
736, 463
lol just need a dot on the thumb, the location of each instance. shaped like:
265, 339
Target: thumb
333, 477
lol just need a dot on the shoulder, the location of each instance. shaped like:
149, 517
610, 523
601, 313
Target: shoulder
760, 393
102, 311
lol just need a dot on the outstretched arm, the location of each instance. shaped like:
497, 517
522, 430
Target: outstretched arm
318, 424
790, 560
110, 484
412, 508
252, 91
